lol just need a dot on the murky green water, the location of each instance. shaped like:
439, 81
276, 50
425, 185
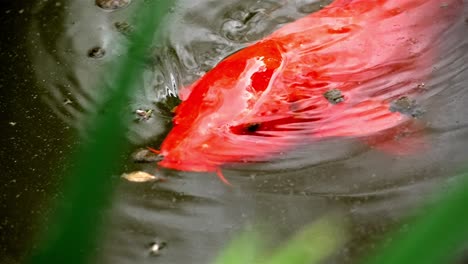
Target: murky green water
57, 52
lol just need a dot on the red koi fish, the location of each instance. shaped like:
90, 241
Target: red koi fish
333, 73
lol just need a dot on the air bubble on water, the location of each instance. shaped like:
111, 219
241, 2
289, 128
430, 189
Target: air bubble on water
96, 52
156, 247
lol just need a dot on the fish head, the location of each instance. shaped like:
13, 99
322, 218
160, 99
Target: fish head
214, 123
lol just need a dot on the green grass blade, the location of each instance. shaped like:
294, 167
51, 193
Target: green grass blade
433, 237
244, 249
313, 244
71, 233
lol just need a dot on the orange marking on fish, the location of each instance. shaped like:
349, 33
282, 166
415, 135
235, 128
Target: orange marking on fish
269, 97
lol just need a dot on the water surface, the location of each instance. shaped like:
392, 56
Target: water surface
69, 45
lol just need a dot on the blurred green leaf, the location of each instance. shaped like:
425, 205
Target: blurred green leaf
434, 236
246, 248
313, 244
74, 227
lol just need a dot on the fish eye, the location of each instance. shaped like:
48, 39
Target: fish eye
252, 127
246, 129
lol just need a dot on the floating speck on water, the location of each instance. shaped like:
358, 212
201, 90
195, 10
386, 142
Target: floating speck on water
156, 247
67, 101
12, 123
444, 5
112, 4
421, 86
21, 11
334, 96
144, 114
145, 156
123, 27
96, 52
406, 106
140, 176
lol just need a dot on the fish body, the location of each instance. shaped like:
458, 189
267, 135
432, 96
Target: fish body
269, 96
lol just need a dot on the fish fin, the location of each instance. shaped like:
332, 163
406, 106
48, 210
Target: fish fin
403, 140
154, 150
220, 175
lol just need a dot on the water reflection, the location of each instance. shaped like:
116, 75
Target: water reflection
194, 213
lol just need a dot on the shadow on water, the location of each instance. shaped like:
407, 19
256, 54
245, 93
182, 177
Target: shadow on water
194, 214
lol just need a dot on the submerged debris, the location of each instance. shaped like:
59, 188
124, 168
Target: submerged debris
112, 4
406, 106
145, 156
334, 96
123, 27
144, 114
67, 101
96, 52
140, 176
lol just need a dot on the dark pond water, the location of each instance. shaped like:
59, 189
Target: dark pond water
56, 52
